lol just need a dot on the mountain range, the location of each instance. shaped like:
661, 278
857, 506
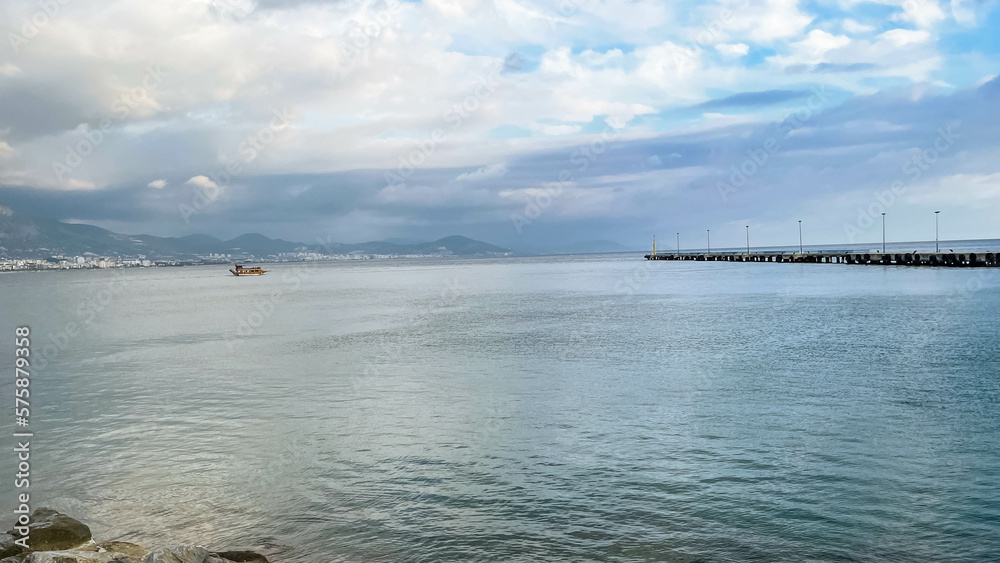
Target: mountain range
24, 236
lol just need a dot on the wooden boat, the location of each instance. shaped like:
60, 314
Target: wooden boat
251, 271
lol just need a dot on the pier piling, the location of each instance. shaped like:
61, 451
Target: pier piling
937, 259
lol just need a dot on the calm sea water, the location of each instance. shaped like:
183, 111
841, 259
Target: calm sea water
575, 408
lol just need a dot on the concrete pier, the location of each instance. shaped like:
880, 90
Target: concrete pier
941, 259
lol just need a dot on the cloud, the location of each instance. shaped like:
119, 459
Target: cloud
733, 50
765, 21
560, 129
923, 14
964, 11
903, 37
160, 184
830, 67
491, 172
814, 48
754, 99
75, 184
852, 26
202, 182
668, 72
971, 190
6, 151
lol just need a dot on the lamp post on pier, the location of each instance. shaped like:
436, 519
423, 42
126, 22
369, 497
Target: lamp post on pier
883, 232
748, 240
937, 232
678, 243
709, 240
800, 237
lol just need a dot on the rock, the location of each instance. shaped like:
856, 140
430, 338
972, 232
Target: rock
68, 556
181, 554
89, 546
136, 552
8, 548
52, 531
195, 554
11, 559
241, 556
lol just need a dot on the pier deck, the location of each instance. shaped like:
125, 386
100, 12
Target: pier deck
943, 259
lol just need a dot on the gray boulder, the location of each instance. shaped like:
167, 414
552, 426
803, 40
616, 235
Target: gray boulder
180, 554
241, 556
195, 554
49, 531
133, 551
8, 548
67, 556
52, 530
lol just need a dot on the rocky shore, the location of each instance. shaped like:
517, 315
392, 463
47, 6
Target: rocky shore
57, 538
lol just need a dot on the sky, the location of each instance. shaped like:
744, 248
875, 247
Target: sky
524, 123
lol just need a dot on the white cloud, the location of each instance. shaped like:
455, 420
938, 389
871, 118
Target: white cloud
816, 45
202, 182
901, 37
852, 26
922, 13
560, 129
6, 151
733, 50
964, 11
74, 184
225, 73
970, 190
8, 69
491, 172
765, 21
160, 184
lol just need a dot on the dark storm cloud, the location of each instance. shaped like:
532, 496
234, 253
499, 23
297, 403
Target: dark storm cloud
859, 144
34, 107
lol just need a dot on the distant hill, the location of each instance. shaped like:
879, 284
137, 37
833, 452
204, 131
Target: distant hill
24, 236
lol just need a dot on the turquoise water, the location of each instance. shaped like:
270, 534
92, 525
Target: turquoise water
570, 408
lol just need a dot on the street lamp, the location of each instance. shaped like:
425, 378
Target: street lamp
883, 232
800, 237
748, 240
937, 231
709, 240
678, 243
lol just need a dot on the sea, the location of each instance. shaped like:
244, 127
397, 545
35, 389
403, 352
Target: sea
556, 408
